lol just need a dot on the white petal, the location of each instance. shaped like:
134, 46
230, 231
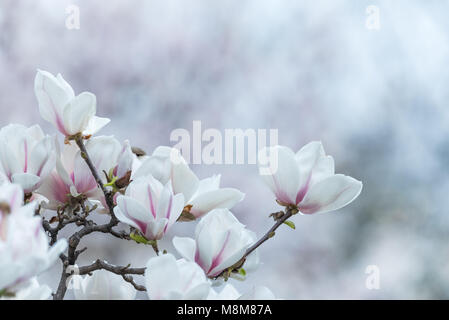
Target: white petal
158, 167
52, 98
78, 112
184, 180
185, 246
314, 166
95, 124
29, 182
161, 276
42, 159
209, 184
283, 179
330, 194
104, 152
221, 198
68, 89
176, 210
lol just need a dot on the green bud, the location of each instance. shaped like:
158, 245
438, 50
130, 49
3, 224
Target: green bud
290, 224
242, 272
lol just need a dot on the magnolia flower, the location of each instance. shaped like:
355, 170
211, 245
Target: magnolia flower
169, 279
24, 248
307, 180
31, 290
149, 206
166, 164
102, 285
26, 155
220, 241
73, 177
58, 105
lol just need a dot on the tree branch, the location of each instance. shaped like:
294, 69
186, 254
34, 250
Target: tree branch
269, 234
125, 271
89, 226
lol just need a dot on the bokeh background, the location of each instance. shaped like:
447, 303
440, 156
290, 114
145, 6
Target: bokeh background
377, 99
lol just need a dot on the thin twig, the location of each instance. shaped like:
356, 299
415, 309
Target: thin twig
124, 271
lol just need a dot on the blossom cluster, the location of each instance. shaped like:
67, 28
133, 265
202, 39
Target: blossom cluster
148, 194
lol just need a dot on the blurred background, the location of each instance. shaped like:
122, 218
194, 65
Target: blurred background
376, 98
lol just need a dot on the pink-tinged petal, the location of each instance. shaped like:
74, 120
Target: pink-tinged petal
55, 190
78, 112
147, 191
221, 198
52, 98
233, 250
165, 203
314, 166
123, 217
82, 176
95, 124
176, 210
131, 212
29, 182
283, 177
330, 194
185, 246
155, 229
103, 151
66, 158
184, 180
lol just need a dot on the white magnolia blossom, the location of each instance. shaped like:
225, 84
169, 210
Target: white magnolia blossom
167, 164
26, 155
102, 285
30, 290
169, 279
307, 179
73, 177
58, 105
149, 206
220, 241
24, 248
